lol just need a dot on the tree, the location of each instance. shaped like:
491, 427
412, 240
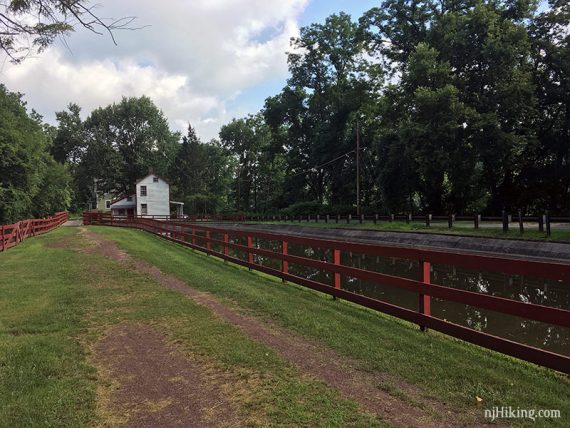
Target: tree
200, 175
188, 169
31, 183
246, 140
70, 139
466, 103
124, 141
546, 172
30, 26
330, 81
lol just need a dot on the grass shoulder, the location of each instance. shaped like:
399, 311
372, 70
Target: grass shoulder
445, 368
459, 229
55, 310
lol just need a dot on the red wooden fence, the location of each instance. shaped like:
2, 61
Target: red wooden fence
12, 234
187, 234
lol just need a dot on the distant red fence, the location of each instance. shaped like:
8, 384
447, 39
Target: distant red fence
12, 234
204, 238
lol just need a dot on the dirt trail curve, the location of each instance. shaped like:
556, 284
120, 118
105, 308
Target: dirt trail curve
321, 363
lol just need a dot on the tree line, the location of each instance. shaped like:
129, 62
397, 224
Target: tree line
461, 106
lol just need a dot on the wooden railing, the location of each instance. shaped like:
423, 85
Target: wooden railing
204, 238
505, 221
12, 234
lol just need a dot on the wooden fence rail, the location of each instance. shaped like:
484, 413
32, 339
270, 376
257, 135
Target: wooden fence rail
543, 221
12, 234
205, 238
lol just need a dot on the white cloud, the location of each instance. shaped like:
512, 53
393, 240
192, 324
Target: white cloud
195, 57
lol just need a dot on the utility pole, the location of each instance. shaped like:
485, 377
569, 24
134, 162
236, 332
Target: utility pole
357, 169
238, 188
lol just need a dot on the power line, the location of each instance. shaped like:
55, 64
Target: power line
320, 166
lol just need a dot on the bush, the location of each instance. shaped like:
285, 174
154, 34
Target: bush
304, 208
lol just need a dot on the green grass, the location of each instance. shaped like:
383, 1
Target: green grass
459, 228
56, 303
447, 369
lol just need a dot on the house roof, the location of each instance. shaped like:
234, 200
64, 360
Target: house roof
123, 203
148, 175
120, 198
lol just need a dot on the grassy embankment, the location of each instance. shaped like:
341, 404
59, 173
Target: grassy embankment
448, 369
459, 228
55, 303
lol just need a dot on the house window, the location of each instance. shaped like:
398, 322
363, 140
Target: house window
130, 199
155, 179
144, 209
143, 190
107, 204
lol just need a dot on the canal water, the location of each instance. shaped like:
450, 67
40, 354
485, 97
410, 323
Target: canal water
531, 290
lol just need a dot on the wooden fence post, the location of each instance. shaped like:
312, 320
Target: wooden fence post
428, 220
476, 220
541, 223
226, 248
336, 275
337, 218
375, 218
547, 222
2, 237
425, 300
284, 263
349, 218
521, 225
327, 218
505, 222
249, 253
450, 221
208, 243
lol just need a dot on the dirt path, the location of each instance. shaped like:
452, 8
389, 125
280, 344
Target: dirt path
317, 361
157, 385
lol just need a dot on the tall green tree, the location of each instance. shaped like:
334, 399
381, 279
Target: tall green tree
70, 140
32, 184
246, 140
546, 170
466, 100
330, 81
124, 141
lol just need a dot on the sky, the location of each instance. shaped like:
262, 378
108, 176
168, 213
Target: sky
202, 62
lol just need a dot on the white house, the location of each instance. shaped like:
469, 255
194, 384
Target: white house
152, 198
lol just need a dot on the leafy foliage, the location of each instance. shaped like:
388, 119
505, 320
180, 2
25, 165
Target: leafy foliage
460, 106
31, 183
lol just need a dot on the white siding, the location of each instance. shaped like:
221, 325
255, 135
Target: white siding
157, 196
